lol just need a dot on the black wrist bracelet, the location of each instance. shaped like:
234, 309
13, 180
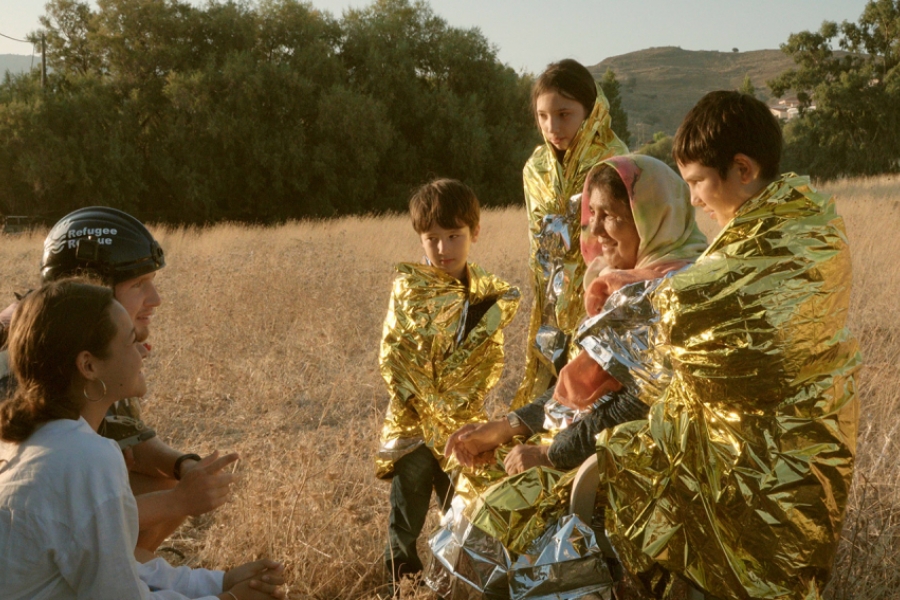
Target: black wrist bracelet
176, 471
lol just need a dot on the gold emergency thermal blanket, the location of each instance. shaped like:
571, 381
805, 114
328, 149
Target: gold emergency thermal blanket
509, 537
436, 375
739, 478
553, 202
565, 563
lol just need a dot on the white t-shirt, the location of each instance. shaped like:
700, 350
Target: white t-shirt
69, 526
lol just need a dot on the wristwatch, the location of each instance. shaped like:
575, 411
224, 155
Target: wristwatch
514, 421
177, 470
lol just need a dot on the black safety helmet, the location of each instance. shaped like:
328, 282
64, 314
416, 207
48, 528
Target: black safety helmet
103, 241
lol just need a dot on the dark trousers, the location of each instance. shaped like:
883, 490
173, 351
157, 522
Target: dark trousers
415, 476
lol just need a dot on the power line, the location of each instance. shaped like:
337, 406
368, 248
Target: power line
15, 39
43, 69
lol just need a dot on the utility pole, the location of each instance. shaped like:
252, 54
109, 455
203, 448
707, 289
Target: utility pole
43, 61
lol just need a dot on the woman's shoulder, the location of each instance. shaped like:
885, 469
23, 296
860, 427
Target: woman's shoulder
65, 463
73, 445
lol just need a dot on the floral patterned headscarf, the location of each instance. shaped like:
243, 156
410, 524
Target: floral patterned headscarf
661, 206
670, 239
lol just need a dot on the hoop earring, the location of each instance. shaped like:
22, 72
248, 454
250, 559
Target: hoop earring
89, 399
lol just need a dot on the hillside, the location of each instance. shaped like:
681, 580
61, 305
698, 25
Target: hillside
17, 63
659, 85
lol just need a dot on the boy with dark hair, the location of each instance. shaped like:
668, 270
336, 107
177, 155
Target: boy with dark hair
727, 149
718, 128
738, 480
442, 350
446, 203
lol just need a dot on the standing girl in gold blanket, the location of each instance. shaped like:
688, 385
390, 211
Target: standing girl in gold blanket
574, 119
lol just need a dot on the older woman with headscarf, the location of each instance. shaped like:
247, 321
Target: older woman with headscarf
640, 214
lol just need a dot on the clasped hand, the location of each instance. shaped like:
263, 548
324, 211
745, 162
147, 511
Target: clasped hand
474, 445
525, 456
257, 580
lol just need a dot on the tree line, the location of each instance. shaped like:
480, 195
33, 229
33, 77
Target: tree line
257, 112
847, 82
274, 110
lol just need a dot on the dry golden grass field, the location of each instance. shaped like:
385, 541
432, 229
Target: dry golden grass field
267, 344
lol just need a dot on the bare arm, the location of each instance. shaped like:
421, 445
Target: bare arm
156, 459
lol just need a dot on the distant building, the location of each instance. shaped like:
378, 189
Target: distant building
780, 112
786, 109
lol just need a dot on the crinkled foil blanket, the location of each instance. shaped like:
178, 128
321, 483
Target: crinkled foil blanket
436, 375
509, 537
565, 562
553, 203
739, 478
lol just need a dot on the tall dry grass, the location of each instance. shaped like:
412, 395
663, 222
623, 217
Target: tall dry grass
267, 344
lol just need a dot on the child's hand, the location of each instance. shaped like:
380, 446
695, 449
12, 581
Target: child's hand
257, 579
480, 460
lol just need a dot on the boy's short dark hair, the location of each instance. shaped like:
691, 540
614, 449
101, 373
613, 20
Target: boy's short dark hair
725, 123
448, 203
568, 78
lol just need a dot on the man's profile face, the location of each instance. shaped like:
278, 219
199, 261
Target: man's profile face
140, 299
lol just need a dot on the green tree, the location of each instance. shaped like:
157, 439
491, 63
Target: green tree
454, 109
257, 112
67, 147
69, 27
613, 92
849, 101
218, 105
244, 127
747, 86
660, 148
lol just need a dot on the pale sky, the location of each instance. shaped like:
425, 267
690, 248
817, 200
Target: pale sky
531, 33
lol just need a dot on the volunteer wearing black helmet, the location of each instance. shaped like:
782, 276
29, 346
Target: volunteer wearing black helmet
114, 247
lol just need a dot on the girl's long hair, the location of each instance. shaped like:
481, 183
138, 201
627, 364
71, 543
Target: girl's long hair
568, 78
49, 329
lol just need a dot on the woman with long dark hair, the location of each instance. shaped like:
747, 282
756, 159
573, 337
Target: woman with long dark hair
68, 519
